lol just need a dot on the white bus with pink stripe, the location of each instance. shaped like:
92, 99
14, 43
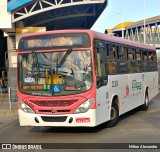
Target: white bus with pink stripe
82, 78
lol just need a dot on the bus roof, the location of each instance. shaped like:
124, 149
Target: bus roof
121, 41
96, 35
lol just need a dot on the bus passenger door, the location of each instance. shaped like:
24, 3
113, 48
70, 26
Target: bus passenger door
102, 81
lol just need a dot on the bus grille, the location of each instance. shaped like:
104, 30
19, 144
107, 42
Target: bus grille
54, 119
53, 103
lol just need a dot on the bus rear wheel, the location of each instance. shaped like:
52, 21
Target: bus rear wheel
114, 115
146, 103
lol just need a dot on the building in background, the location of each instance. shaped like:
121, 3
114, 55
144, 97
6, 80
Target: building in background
134, 31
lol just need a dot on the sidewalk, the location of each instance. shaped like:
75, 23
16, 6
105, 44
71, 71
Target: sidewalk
8, 113
7, 109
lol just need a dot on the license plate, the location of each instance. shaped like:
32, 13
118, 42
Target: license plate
82, 120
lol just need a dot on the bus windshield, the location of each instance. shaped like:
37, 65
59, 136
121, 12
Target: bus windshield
55, 73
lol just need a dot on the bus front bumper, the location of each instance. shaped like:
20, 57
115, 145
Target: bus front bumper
87, 119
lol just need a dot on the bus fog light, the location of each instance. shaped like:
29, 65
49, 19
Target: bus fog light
84, 107
25, 107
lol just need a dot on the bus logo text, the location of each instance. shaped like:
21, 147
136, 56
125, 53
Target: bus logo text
136, 85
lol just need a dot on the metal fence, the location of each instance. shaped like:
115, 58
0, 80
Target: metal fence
12, 91
8, 95
12, 94
8, 99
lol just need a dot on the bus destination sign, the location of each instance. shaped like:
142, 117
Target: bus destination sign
51, 41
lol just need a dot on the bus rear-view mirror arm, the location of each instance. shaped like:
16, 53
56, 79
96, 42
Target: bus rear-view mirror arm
101, 82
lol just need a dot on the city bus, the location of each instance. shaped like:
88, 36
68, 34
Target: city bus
82, 78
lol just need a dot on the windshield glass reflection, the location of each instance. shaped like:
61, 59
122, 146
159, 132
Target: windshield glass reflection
58, 73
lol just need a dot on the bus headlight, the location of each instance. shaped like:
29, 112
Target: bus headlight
84, 107
25, 107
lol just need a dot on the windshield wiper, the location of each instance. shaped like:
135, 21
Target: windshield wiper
35, 65
64, 58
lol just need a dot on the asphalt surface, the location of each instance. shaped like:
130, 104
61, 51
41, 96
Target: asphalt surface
134, 127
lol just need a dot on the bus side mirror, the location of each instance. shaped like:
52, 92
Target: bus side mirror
105, 82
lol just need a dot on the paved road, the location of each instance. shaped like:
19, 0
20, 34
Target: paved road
134, 127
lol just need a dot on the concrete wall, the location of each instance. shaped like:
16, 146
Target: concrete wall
12, 58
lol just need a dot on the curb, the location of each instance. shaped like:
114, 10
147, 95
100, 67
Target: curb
8, 113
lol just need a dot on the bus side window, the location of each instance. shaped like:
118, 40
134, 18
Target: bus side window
138, 55
150, 56
112, 51
132, 60
122, 57
100, 62
103, 62
145, 61
121, 52
138, 61
151, 60
126, 52
145, 56
130, 55
133, 54
155, 61
112, 63
154, 57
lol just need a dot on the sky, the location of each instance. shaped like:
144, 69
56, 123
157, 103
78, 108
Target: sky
131, 10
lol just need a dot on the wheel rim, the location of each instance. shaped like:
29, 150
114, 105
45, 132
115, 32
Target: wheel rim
113, 113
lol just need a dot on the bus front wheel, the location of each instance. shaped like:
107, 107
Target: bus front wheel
114, 115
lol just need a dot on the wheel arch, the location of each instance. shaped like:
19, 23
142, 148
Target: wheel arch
114, 111
115, 99
146, 91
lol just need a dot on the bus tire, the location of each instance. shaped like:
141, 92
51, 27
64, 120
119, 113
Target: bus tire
146, 103
114, 116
